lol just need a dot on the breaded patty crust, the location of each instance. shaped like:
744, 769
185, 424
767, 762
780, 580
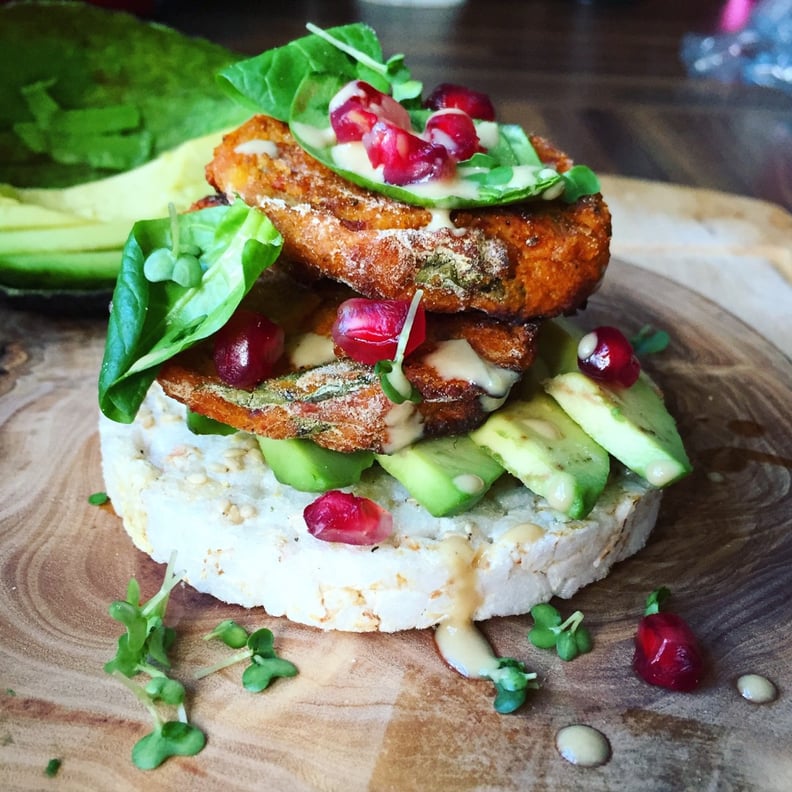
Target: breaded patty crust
516, 262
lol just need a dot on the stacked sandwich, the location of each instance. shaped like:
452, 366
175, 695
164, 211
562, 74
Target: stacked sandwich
380, 384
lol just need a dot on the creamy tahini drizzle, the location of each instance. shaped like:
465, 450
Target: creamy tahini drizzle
756, 688
456, 359
257, 146
352, 157
462, 646
583, 745
311, 349
458, 639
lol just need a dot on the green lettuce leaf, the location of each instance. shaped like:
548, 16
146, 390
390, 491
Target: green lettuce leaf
152, 322
85, 93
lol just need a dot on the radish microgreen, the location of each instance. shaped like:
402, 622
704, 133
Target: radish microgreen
393, 70
51, 770
393, 382
568, 638
143, 649
265, 665
178, 263
649, 341
512, 684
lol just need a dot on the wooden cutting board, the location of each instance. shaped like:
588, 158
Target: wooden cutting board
382, 712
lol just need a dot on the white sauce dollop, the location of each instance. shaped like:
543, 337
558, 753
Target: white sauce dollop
756, 689
583, 745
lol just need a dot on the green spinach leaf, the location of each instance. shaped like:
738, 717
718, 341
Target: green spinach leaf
267, 83
152, 322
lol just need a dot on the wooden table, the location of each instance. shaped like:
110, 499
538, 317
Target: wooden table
603, 79
697, 176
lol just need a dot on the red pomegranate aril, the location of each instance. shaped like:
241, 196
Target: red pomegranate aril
606, 355
455, 130
667, 653
474, 103
405, 158
338, 516
368, 330
351, 121
246, 349
358, 106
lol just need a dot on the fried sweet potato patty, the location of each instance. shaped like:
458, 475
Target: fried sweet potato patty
517, 262
339, 403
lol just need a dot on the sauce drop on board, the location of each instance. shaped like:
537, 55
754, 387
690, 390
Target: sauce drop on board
583, 745
756, 689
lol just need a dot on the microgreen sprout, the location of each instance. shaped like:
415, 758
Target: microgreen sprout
179, 263
265, 665
512, 684
655, 600
143, 648
569, 638
51, 770
649, 341
393, 382
393, 70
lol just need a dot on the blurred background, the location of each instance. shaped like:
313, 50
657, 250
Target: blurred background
648, 89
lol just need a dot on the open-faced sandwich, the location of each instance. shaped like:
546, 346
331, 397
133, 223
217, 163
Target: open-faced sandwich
338, 388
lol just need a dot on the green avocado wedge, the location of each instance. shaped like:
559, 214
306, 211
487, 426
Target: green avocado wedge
309, 467
538, 443
446, 475
632, 424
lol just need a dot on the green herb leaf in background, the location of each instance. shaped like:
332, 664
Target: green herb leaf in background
267, 83
117, 90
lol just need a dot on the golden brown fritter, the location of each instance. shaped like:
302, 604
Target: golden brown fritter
340, 404
517, 262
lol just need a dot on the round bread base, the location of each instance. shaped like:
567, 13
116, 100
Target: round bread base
240, 536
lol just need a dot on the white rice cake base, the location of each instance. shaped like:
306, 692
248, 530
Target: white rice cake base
240, 536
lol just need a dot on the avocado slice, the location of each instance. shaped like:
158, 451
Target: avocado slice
536, 441
15, 215
85, 269
632, 423
309, 467
446, 475
89, 236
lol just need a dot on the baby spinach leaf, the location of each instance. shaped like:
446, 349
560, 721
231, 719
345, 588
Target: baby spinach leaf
152, 322
268, 82
295, 84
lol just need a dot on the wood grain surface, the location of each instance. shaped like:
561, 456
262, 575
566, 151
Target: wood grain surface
603, 79
382, 712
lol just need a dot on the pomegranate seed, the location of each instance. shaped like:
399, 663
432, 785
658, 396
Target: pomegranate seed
358, 106
339, 516
453, 129
606, 355
474, 103
368, 330
247, 348
667, 653
406, 158
351, 121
